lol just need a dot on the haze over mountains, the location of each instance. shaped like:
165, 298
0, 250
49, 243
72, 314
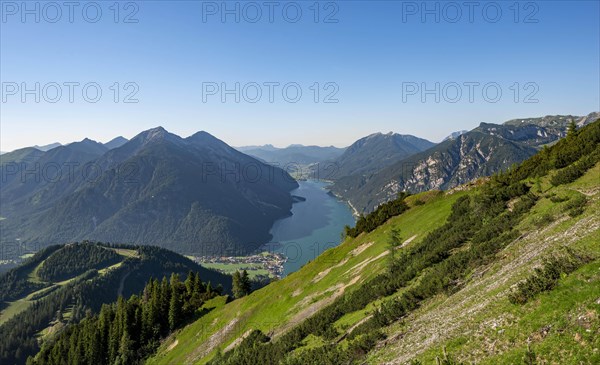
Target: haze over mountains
194, 195
296, 154
199, 195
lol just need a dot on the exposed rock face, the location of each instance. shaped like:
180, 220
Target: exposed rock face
483, 151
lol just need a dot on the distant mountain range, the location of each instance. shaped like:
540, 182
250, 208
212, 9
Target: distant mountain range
194, 195
47, 147
294, 154
114, 143
481, 152
374, 152
199, 195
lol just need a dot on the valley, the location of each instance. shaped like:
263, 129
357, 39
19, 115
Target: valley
401, 284
338, 307
323, 183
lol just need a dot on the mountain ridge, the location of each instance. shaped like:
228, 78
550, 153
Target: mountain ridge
483, 151
154, 189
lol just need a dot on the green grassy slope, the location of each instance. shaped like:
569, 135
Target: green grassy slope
280, 305
38, 301
479, 324
476, 323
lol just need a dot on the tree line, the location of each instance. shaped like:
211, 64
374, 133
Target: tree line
75, 259
379, 216
128, 331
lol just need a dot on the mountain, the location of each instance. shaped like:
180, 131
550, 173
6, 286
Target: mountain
266, 147
61, 285
374, 152
454, 135
293, 155
556, 121
505, 272
195, 195
47, 147
116, 142
483, 151
32, 178
27, 155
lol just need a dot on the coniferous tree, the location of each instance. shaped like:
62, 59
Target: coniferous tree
175, 303
572, 129
238, 290
246, 283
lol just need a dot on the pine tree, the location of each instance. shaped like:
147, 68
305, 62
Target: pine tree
126, 352
189, 284
238, 290
572, 129
198, 286
164, 303
246, 283
175, 304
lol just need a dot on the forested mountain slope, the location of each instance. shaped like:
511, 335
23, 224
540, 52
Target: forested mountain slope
195, 195
439, 280
374, 152
62, 284
481, 152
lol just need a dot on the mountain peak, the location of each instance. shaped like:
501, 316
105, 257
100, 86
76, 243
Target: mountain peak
205, 139
116, 142
157, 134
455, 135
158, 131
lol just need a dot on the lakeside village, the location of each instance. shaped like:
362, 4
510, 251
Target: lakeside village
264, 263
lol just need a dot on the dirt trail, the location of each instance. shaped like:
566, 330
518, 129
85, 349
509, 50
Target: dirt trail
215, 340
122, 284
314, 307
405, 243
172, 346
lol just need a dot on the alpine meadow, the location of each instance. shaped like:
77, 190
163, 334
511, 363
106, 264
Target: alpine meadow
299, 182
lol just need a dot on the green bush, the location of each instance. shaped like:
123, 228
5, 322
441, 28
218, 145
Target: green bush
375, 219
545, 278
576, 205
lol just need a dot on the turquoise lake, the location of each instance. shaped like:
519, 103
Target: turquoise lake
314, 226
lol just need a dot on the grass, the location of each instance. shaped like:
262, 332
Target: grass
13, 309
475, 324
478, 324
126, 252
280, 305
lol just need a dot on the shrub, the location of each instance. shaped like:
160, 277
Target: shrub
576, 205
545, 278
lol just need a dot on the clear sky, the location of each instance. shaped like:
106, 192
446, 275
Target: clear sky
375, 57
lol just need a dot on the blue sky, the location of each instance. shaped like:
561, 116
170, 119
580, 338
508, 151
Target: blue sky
371, 57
